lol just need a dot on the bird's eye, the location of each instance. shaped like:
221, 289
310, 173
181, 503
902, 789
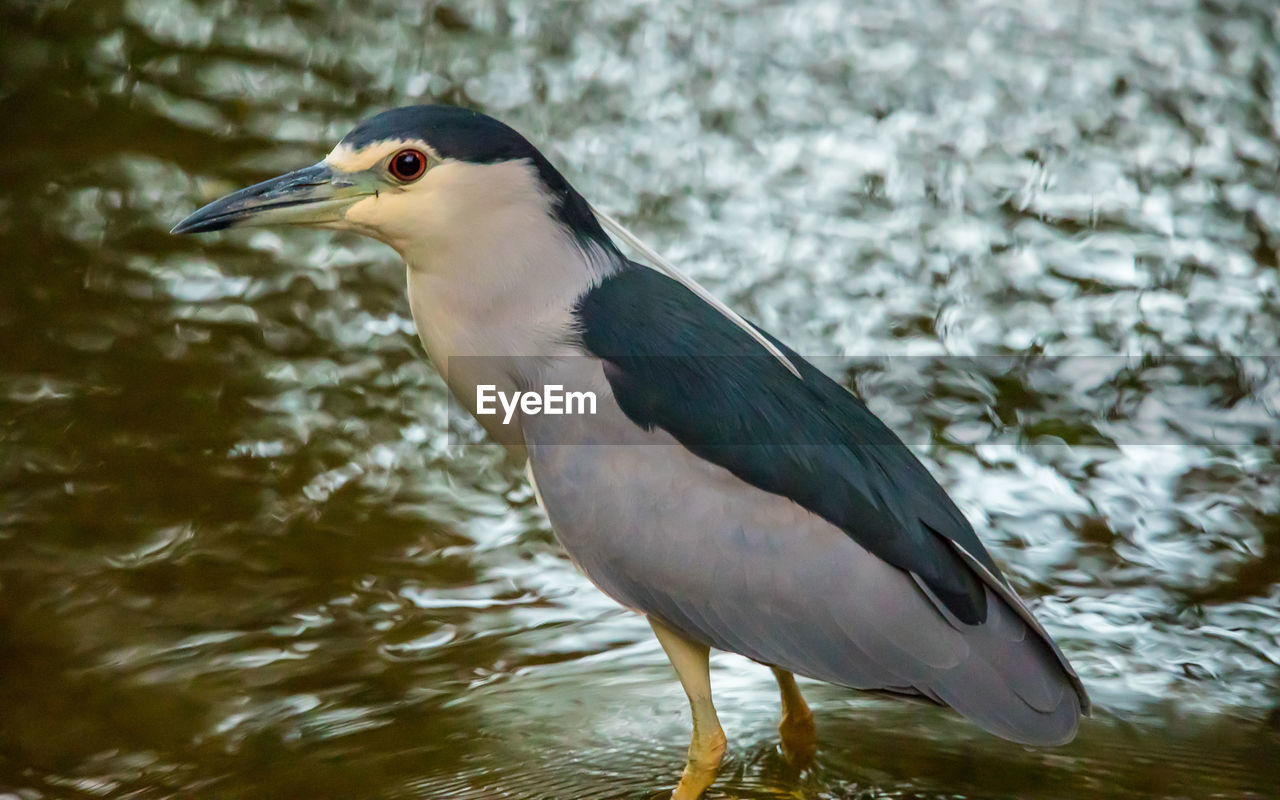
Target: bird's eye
408, 165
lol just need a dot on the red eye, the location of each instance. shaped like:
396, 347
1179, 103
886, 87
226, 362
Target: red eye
408, 165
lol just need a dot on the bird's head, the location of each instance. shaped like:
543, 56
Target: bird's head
417, 178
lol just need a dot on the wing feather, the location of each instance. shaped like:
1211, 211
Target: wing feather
779, 519
675, 364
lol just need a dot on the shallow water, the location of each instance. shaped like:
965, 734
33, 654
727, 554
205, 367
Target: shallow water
242, 557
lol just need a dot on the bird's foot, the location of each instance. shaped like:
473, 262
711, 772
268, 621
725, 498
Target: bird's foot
705, 755
799, 737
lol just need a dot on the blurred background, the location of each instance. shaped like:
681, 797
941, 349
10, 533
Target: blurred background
240, 557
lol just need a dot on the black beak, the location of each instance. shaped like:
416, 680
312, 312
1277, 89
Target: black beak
308, 196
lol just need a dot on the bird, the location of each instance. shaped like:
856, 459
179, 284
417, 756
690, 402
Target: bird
720, 484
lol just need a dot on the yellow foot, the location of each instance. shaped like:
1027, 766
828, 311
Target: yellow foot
705, 756
799, 738
706, 749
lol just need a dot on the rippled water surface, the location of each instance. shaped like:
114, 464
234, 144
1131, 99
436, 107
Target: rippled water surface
240, 556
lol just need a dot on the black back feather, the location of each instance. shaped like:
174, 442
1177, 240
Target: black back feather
677, 364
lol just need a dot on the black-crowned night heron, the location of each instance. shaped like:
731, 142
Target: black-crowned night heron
719, 484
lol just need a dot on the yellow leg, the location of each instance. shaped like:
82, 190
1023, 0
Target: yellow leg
707, 747
799, 738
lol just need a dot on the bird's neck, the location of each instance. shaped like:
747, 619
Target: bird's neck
502, 287
497, 310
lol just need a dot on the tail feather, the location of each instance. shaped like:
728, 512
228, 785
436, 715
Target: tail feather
1013, 683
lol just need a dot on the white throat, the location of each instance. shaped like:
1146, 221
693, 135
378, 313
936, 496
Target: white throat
491, 271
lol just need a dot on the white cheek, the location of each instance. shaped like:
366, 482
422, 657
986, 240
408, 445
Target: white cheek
362, 215
392, 216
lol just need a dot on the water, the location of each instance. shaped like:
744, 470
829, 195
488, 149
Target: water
241, 558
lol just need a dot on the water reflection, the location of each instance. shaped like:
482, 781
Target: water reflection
239, 556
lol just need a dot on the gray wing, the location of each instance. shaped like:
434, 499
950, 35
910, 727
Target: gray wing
675, 364
679, 538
